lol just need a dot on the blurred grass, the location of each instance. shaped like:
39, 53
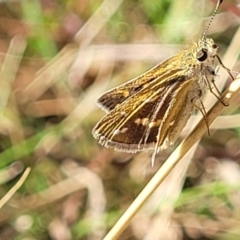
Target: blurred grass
76, 188
40, 40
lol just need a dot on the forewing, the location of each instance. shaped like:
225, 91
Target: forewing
137, 123
118, 95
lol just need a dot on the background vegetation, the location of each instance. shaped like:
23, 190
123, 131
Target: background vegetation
57, 57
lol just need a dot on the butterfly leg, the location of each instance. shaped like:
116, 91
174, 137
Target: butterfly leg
207, 81
201, 108
223, 66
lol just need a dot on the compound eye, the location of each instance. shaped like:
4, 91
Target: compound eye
202, 55
214, 46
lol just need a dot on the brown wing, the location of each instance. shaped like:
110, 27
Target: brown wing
118, 95
148, 117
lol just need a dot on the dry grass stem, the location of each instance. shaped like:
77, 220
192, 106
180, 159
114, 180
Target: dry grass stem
97, 21
13, 190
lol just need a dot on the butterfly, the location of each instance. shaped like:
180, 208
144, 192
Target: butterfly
150, 111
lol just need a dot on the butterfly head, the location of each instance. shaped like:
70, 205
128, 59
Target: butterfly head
206, 50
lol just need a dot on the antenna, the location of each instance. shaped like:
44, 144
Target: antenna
211, 19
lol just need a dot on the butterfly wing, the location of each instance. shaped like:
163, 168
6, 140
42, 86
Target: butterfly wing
118, 95
155, 114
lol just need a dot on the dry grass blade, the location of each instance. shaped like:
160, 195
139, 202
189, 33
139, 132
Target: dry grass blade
10, 67
11, 192
222, 122
172, 161
97, 21
46, 77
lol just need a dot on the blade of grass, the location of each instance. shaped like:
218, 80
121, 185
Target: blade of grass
15, 188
